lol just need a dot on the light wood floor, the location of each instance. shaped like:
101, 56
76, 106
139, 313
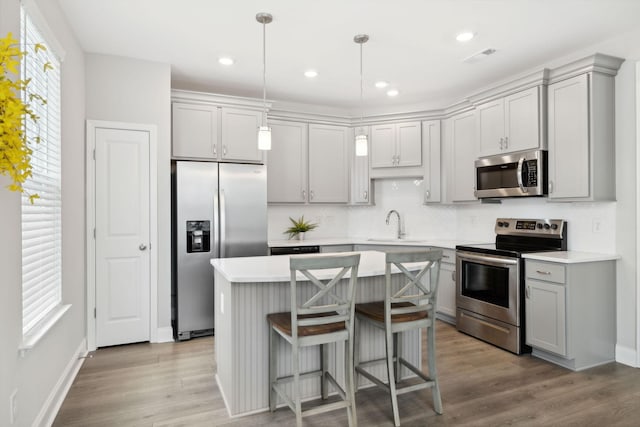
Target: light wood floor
173, 384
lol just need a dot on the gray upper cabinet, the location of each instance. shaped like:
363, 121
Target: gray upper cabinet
287, 163
431, 160
205, 131
581, 138
396, 145
195, 131
461, 149
360, 180
239, 135
328, 164
512, 123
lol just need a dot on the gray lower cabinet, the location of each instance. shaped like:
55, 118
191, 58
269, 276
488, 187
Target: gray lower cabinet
570, 312
446, 308
336, 248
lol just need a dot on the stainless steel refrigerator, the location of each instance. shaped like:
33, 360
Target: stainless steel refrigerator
219, 211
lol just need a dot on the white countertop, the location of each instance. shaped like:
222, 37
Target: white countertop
446, 244
276, 268
570, 257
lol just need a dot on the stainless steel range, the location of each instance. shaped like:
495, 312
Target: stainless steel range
490, 279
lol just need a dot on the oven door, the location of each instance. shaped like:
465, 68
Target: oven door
489, 285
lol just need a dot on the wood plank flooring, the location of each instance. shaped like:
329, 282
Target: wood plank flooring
173, 384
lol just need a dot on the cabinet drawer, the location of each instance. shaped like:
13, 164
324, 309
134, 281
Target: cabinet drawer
448, 256
545, 271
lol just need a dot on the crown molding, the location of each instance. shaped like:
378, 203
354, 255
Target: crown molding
179, 95
596, 63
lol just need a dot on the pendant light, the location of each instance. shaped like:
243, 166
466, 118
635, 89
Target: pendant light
361, 136
264, 132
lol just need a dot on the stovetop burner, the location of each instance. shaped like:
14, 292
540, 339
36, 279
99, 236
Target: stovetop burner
515, 237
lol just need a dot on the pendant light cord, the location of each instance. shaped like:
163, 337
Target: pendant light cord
264, 74
361, 91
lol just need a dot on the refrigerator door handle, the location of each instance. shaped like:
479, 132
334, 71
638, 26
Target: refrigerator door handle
216, 229
223, 224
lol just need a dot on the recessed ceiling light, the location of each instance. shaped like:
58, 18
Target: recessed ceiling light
311, 74
392, 92
382, 84
465, 37
225, 60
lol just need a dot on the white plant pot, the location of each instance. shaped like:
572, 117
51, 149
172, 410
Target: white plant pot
301, 236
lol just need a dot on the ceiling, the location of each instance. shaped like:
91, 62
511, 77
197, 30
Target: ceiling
412, 43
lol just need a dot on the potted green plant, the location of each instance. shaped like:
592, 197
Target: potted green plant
299, 227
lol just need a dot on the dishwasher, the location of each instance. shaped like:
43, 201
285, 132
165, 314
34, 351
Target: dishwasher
295, 250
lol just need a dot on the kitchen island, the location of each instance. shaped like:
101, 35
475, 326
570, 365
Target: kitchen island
246, 290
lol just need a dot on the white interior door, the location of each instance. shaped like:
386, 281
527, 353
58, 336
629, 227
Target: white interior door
122, 233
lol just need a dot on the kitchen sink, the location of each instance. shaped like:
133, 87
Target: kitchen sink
393, 240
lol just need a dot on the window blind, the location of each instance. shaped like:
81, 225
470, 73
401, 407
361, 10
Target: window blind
42, 220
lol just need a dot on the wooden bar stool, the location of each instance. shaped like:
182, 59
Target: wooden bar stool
410, 307
324, 315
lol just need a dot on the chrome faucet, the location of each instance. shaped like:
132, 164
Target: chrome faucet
393, 211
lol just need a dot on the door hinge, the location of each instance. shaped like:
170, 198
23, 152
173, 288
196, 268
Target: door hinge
94, 154
94, 312
94, 233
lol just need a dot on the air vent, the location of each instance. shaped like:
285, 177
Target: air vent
479, 55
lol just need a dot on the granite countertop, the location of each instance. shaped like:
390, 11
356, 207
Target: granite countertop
570, 257
276, 268
446, 244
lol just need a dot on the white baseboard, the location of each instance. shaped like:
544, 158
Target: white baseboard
627, 356
52, 405
164, 334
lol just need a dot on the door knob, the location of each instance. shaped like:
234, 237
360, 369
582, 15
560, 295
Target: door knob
142, 246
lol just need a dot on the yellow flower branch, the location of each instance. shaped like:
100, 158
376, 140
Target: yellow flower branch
15, 151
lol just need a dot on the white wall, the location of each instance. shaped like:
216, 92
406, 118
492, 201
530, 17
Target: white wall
35, 376
135, 91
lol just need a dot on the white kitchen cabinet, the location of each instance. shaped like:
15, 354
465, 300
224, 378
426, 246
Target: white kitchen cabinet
194, 131
581, 138
287, 163
446, 306
462, 154
396, 145
239, 135
328, 164
431, 160
360, 181
512, 123
570, 312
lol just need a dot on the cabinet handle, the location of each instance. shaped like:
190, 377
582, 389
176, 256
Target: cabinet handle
365, 194
506, 142
550, 186
311, 195
224, 150
526, 292
446, 256
453, 275
304, 195
427, 195
502, 143
545, 273
215, 151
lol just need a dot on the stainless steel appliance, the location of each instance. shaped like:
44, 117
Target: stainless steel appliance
490, 279
219, 211
512, 175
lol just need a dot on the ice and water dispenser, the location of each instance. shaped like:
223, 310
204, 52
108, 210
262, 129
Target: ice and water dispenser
198, 236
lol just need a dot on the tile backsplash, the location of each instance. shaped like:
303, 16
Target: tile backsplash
591, 225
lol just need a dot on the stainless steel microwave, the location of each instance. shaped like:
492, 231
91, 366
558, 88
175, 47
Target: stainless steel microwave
518, 174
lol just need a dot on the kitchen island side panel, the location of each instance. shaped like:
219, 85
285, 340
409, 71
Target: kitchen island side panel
243, 354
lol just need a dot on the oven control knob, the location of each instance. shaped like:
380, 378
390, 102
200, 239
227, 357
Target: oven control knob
500, 223
505, 224
539, 226
554, 226
547, 226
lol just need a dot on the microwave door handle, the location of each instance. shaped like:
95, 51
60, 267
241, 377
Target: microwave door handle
520, 184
